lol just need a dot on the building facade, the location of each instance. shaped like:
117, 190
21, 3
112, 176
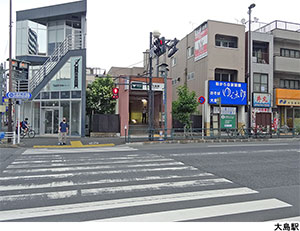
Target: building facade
52, 40
286, 72
211, 61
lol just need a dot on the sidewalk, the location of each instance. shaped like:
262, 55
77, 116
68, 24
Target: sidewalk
72, 142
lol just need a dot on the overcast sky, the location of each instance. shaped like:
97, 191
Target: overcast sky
118, 30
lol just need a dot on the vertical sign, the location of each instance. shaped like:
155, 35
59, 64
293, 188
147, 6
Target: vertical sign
201, 40
76, 65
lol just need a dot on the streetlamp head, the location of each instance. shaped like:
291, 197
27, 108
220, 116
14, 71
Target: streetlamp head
156, 34
251, 6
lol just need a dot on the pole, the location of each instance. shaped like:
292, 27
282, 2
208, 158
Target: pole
19, 119
165, 103
10, 70
220, 110
1, 91
150, 109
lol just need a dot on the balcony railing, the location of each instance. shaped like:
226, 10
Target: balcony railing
72, 42
279, 25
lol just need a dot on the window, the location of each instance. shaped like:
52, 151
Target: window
190, 52
260, 82
191, 76
226, 41
291, 84
290, 53
225, 75
173, 61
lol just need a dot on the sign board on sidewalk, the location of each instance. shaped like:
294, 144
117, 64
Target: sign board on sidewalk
228, 121
18, 95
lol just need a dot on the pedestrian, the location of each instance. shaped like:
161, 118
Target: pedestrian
63, 131
144, 119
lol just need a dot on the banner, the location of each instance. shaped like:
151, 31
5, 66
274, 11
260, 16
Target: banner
201, 40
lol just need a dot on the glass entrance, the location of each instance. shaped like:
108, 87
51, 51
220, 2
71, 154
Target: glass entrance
51, 120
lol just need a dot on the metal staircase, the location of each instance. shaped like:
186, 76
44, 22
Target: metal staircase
72, 42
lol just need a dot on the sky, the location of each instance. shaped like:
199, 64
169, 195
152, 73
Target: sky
118, 30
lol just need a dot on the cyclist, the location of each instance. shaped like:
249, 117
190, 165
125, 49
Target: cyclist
24, 125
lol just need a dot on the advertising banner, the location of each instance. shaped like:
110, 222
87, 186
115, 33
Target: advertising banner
261, 100
231, 93
201, 40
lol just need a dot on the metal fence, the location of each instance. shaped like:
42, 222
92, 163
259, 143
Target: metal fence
208, 134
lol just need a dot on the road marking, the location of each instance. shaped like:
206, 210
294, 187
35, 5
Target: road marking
234, 152
119, 203
243, 145
77, 150
4, 187
74, 144
203, 212
72, 162
66, 175
76, 168
158, 186
44, 195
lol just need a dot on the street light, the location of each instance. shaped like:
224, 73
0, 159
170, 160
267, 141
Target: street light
249, 66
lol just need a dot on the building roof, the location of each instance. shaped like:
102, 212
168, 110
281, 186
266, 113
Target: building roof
72, 11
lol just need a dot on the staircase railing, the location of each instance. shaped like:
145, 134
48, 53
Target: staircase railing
72, 42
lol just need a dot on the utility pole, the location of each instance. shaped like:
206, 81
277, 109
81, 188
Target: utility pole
9, 129
150, 99
164, 73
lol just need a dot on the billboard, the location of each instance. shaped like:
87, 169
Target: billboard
231, 93
201, 40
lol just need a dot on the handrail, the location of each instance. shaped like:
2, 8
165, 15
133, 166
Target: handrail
72, 42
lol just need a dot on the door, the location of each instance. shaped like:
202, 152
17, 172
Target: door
51, 121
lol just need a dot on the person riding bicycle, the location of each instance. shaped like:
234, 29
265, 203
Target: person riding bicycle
24, 125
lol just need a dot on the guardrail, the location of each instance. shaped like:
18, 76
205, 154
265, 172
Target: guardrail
5, 136
139, 135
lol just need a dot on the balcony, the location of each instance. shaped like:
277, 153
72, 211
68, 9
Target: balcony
260, 57
286, 64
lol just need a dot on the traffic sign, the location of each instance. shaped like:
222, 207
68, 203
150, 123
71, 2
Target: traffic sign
201, 99
18, 95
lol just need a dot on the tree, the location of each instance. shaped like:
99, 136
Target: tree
99, 97
184, 106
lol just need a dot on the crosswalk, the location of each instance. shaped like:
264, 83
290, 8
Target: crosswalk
119, 184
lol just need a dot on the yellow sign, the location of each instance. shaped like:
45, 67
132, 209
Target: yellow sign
288, 102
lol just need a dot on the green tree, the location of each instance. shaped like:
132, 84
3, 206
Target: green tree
184, 106
99, 97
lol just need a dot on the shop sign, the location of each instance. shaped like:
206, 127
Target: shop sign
261, 100
288, 102
144, 86
225, 110
228, 121
231, 93
201, 41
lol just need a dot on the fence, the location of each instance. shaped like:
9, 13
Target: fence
209, 134
5, 136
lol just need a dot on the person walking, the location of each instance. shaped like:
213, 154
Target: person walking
63, 131
144, 118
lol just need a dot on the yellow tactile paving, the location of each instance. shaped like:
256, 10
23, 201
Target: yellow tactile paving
74, 144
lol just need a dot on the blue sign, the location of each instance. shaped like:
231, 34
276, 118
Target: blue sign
18, 95
231, 93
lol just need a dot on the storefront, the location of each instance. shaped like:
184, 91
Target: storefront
261, 110
288, 103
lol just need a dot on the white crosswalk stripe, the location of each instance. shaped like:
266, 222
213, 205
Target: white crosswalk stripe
99, 181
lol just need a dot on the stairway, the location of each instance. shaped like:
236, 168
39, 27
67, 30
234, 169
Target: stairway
71, 43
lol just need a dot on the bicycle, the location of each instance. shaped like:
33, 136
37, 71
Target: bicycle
30, 132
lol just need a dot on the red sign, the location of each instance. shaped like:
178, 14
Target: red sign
201, 100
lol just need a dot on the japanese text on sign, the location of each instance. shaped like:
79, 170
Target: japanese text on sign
231, 93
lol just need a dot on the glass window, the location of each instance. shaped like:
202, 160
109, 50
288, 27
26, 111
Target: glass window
286, 84
76, 94
75, 118
296, 84
264, 78
65, 95
65, 106
55, 95
226, 41
45, 95
256, 78
217, 76
281, 83
297, 54
260, 82
292, 84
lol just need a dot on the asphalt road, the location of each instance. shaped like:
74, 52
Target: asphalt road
163, 182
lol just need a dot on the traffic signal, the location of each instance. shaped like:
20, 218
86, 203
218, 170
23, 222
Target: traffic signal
172, 48
159, 46
115, 92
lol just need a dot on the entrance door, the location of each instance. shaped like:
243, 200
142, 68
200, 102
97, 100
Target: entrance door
51, 120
